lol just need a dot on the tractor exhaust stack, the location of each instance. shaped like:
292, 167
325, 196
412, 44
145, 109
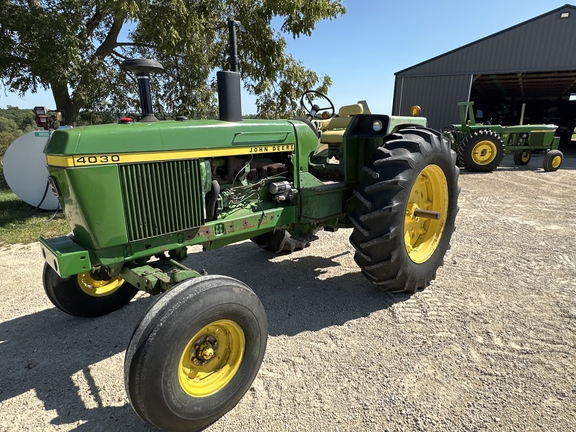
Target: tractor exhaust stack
229, 96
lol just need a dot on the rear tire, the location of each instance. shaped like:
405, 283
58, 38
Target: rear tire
195, 353
481, 151
83, 296
414, 169
552, 160
522, 157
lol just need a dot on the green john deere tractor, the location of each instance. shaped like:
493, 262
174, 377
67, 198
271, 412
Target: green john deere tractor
481, 147
137, 194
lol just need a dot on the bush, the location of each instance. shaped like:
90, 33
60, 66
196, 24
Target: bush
13, 123
3, 183
7, 138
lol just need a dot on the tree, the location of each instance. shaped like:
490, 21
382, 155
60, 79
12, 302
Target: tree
73, 48
13, 123
24, 118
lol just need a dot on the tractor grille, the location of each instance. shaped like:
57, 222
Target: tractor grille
161, 197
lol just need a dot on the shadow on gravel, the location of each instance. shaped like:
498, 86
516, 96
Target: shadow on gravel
50, 353
294, 295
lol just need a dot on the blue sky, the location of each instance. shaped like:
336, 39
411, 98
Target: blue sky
362, 49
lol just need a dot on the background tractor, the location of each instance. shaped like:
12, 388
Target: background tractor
481, 147
137, 194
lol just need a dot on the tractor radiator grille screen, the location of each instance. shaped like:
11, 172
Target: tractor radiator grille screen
162, 197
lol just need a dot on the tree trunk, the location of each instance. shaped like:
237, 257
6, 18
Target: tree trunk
65, 104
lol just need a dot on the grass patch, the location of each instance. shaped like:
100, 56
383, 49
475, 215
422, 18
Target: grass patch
19, 223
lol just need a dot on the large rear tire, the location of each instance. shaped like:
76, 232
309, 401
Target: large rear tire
83, 295
195, 353
481, 151
411, 178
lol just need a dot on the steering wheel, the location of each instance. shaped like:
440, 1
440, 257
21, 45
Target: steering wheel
312, 109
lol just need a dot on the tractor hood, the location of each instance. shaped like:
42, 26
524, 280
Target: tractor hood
120, 143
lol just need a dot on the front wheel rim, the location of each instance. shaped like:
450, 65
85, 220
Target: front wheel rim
484, 152
556, 161
525, 156
98, 288
211, 358
429, 193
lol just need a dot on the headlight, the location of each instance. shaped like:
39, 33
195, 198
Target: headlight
377, 125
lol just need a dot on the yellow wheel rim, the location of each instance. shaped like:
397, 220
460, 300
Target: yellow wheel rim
98, 288
525, 156
211, 358
556, 161
484, 152
428, 195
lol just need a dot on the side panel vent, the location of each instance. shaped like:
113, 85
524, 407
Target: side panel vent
162, 197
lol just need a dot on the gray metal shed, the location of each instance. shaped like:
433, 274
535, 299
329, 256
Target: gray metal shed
531, 64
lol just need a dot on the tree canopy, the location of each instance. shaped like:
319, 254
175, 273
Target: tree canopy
73, 47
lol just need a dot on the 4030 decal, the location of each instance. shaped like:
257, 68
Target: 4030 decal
94, 160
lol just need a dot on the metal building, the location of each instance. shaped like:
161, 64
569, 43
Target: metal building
524, 74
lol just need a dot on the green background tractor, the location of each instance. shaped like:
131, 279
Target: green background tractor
137, 194
481, 147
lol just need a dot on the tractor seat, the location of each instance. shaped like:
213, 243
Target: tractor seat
333, 129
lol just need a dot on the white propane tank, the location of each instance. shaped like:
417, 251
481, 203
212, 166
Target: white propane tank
25, 170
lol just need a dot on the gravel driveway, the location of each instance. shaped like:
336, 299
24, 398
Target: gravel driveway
489, 345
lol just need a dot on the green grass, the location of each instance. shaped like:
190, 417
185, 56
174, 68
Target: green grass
19, 223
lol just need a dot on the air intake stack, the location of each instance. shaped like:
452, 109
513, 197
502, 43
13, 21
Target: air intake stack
143, 68
229, 98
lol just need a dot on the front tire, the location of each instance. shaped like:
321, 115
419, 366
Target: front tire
522, 157
84, 296
552, 160
481, 151
411, 177
195, 353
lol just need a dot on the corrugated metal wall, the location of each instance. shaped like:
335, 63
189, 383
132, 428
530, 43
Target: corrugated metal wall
438, 96
545, 43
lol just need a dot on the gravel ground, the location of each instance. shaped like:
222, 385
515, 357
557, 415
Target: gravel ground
489, 345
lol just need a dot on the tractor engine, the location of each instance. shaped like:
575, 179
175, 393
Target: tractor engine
139, 187
135, 189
